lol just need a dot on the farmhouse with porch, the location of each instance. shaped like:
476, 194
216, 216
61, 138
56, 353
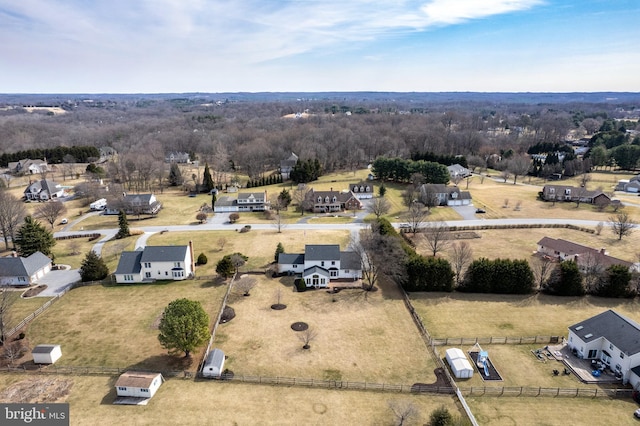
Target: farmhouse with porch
332, 201
611, 339
322, 264
244, 202
156, 263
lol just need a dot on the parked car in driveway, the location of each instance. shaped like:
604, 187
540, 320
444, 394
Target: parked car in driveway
64, 221
636, 413
481, 211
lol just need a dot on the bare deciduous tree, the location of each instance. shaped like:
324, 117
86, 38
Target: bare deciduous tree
599, 227
417, 216
461, 257
7, 299
380, 256
437, 236
404, 411
592, 269
379, 206
245, 285
542, 266
307, 336
50, 211
222, 241
237, 260
12, 213
621, 224
519, 166
201, 217
300, 197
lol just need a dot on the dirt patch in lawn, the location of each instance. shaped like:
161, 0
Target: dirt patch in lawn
38, 390
34, 291
299, 326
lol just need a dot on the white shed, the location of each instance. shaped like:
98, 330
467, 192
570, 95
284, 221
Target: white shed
214, 364
46, 354
138, 384
460, 365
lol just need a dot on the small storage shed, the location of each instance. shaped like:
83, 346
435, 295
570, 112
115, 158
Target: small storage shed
460, 365
46, 354
213, 364
138, 384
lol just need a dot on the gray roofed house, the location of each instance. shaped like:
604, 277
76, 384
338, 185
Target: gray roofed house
287, 165
458, 171
23, 271
28, 166
332, 201
610, 338
322, 265
446, 195
256, 201
573, 193
155, 263
134, 204
43, 190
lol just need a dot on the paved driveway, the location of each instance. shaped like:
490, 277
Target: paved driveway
58, 281
467, 212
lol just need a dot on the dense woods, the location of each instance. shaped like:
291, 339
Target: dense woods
339, 131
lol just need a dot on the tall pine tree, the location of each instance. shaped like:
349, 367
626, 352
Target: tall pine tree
93, 268
207, 179
123, 224
175, 175
33, 237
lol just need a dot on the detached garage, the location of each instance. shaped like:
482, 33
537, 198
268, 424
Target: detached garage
46, 354
460, 365
138, 384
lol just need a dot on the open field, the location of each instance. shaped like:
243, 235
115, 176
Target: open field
360, 337
187, 402
485, 315
22, 307
552, 411
259, 246
111, 250
72, 251
117, 326
520, 243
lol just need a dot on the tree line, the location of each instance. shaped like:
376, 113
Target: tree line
56, 155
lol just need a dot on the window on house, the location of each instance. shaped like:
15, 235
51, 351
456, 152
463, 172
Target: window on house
144, 390
122, 388
621, 355
552, 190
147, 274
319, 199
333, 262
176, 264
334, 273
166, 273
322, 263
611, 346
147, 264
334, 199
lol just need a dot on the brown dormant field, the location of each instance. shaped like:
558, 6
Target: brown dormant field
117, 326
480, 315
202, 402
360, 336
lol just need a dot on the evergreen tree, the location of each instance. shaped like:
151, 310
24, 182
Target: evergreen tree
616, 282
214, 198
428, 274
207, 179
93, 268
184, 326
565, 280
175, 175
202, 259
33, 237
382, 190
279, 249
225, 267
285, 198
123, 224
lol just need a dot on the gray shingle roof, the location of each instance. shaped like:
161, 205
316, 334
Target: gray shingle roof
316, 270
129, 263
43, 349
317, 252
350, 260
291, 258
617, 329
164, 253
23, 266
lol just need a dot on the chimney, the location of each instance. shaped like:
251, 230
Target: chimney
603, 251
193, 260
14, 254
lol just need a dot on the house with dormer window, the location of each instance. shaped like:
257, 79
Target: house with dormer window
244, 202
332, 201
362, 190
612, 339
572, 193
321, 264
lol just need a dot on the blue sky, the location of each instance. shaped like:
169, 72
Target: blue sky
157, 46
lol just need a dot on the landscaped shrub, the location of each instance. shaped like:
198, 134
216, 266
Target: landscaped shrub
300, 285
615, 283
202, 259
565, 280
428, 274
502, 276
245, 228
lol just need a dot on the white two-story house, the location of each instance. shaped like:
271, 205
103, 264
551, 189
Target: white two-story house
611, 338
321, 264
155, 263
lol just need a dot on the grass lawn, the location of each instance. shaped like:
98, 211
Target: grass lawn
509, 411
72, 251
116, 326
111, 250
21, 307
492, 196
520, 243
360, 337
259, 246
480, 315
188, 402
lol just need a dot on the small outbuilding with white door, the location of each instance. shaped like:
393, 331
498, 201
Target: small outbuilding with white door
138, 384
460, 365
46, 354
213, 364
